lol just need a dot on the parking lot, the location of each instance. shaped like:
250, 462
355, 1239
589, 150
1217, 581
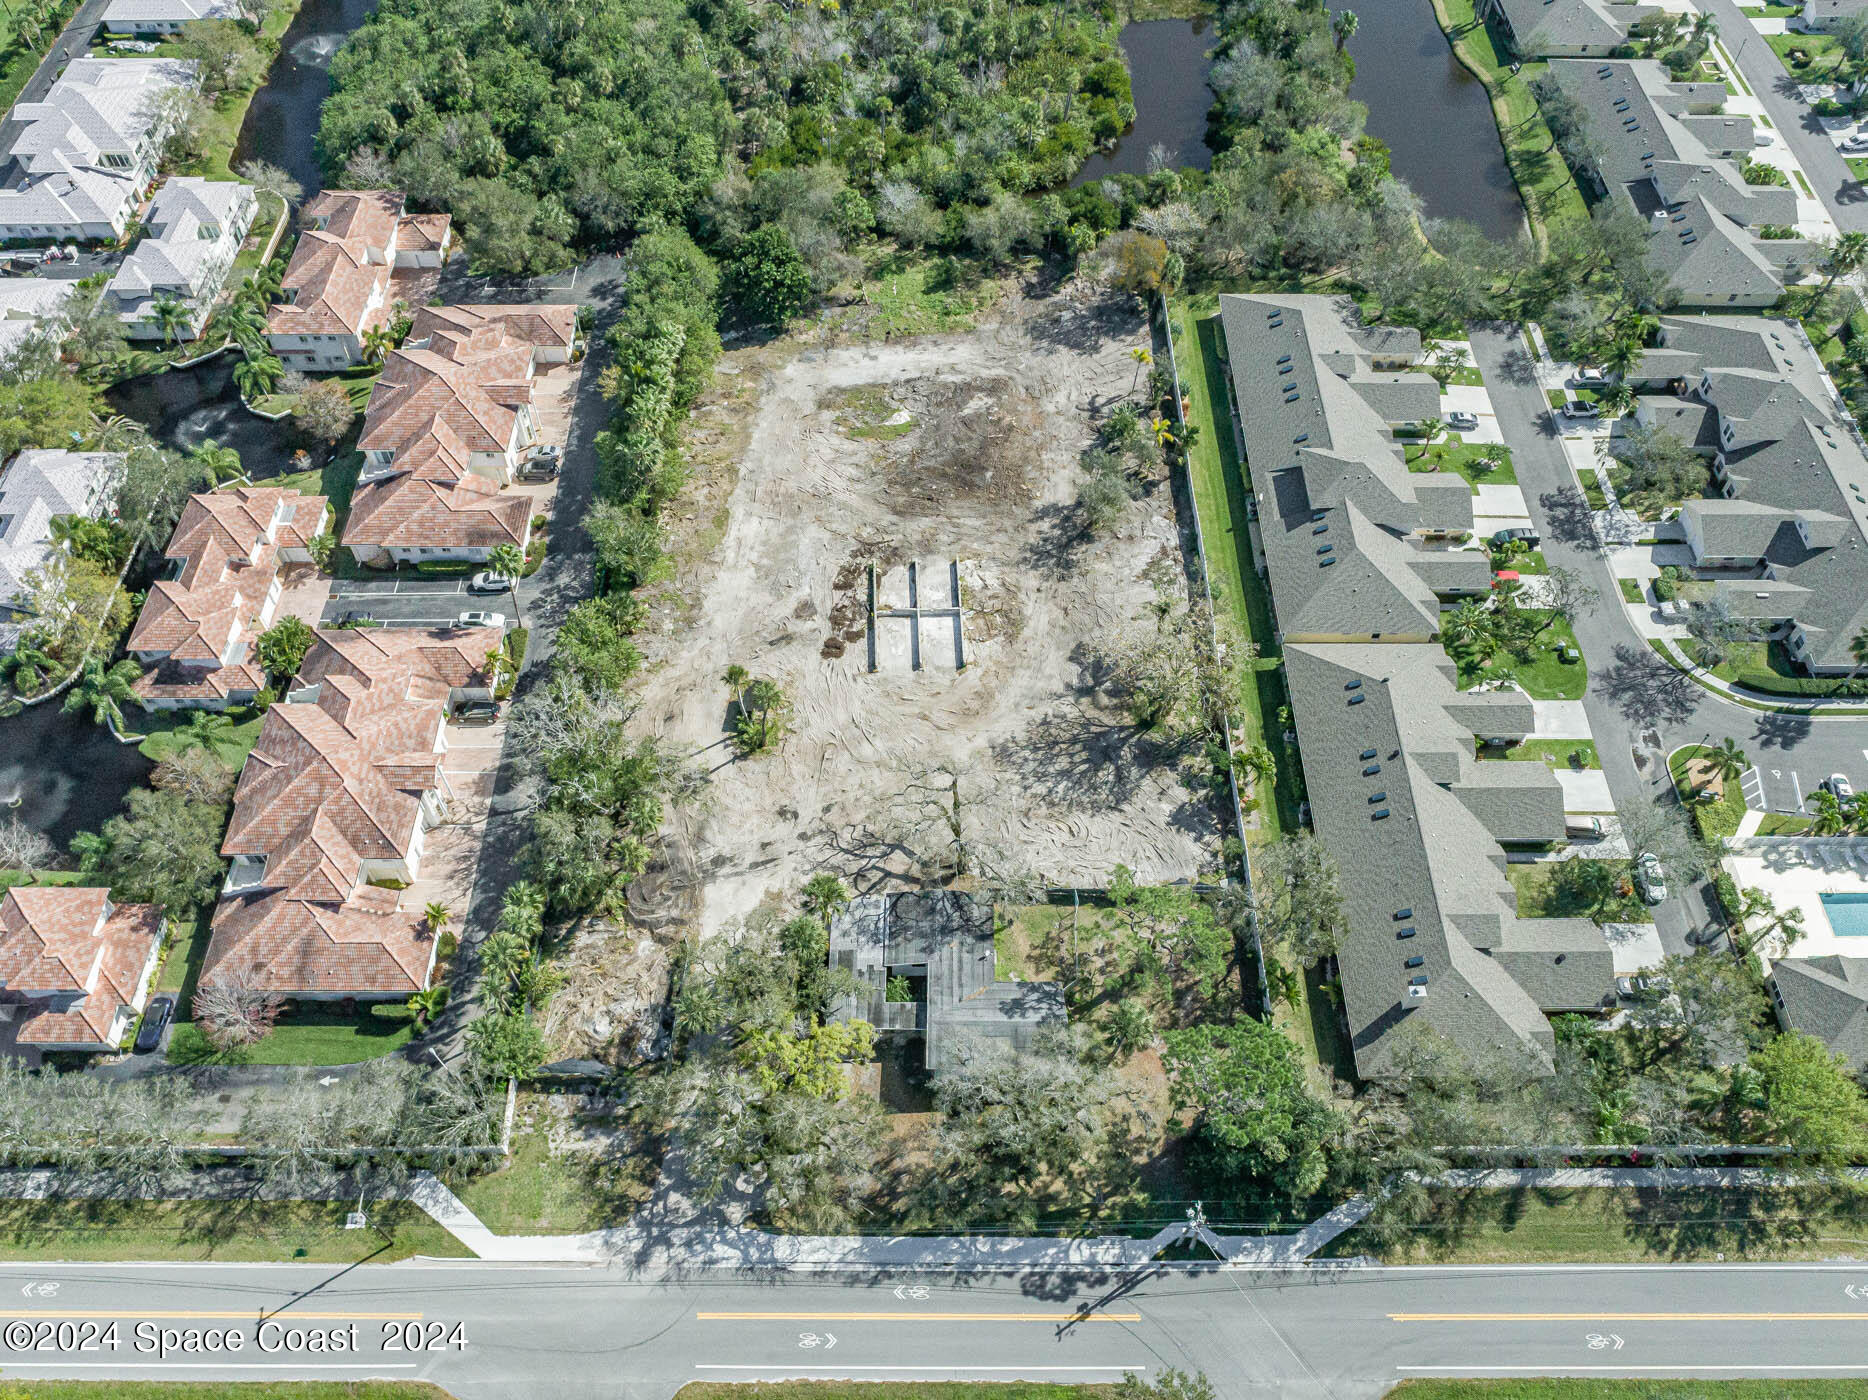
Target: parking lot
1774, 785
409, 600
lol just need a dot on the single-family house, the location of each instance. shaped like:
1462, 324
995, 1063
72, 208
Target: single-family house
1822, 16
337, 285
82, 157
191, 236
75, 967
1565, 28
219, 587
1826, 998
331, 811
30, 306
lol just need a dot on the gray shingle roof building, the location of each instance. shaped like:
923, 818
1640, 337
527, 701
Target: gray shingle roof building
1667, 151
1355, 543
1433, 935
942, 941
1790, 533
1826, 998
1556, 28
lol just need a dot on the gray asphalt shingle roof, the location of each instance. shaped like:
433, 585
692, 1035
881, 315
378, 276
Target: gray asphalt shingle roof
1827, 998
1542, 28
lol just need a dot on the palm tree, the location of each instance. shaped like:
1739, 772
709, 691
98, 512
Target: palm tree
28, 664
1429, 430
1829, 817
1727, 760
1468, 626
115, 433
257, 376
737, 678
1845, 255
222, 462
377, 343
245, 325
1858, 651
1616, 400
104, 691
427, 1004
762, 698
206, 729
509, 560
172, 317
1343, 27
1142, 356
437, 916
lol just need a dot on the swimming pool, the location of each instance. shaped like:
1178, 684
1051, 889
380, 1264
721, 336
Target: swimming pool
1848, 914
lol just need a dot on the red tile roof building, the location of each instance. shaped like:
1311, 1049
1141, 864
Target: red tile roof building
198, 625
75, 969
345, 779
447, 424
337, 286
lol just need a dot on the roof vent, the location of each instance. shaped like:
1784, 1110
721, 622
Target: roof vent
1415, 993
1320, 529
1325, 563
1357, 699
1291, 398
1301, 437
1403, 915
1325, 548
1377, 797
1379, 815
1407, 932
1352, 685
1368, 754
1414, 962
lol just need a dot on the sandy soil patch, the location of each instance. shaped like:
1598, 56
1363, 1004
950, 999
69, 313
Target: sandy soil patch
958, 455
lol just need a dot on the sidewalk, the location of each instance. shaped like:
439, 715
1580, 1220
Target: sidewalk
1850, 707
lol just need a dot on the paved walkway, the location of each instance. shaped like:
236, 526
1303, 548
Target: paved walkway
1849, 707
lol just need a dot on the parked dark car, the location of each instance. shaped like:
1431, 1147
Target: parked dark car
476, 712
156, 1018
1516, 535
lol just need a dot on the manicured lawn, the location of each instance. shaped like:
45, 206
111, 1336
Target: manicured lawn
1632, 591
1767, 667
1540, 674
1783, 824
540, 1193
1221, 489
336, 479
167, 731
1772, 11
1628, 1226
1575, 1388
1593, 493
1715, 820
1453, 454
181, 965
1858, 166
1545, 891
309, 1036
10, 878
1553, 753
1528, 562
1823, 53
1550, 194
1316, 1025
244, 1231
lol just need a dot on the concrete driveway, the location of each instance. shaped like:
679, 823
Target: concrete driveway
1560, 719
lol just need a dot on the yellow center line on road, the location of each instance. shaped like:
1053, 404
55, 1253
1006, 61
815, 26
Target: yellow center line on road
1861, 1316
915, 1317
288, 1312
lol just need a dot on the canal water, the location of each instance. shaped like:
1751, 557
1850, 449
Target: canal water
1433, 114
1167, 70
282, 123
61, 774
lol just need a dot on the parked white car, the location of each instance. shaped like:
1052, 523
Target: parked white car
1649, 879
482, 619
1853, 145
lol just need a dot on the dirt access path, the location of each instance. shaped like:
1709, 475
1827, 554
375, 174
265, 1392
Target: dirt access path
941, 451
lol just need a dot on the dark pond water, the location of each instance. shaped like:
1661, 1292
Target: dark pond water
282, 124
1167, 68
183, 408
1434, 115
61, 774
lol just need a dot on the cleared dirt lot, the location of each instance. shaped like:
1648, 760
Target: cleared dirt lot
956, 454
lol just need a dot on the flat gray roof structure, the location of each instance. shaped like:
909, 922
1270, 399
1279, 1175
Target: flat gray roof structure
1826, 998
942, 938
1414, 823
1349, 532
1667, 151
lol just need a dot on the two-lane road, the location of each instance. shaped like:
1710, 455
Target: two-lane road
486, 1330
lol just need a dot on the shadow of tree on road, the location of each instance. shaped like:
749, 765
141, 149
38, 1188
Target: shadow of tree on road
1646, 689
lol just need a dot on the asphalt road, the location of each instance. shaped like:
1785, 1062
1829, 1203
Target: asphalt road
1830, 177
487, 1331
1640, 708
414, 601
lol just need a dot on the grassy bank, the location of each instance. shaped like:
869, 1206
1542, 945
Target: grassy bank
311, 1035
1550, 195
1221, 490
1628, 1226
892, 1390
228, 1231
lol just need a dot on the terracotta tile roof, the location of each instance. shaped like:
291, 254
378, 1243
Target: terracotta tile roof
423, 233
335, 269
56, 941
333, 782
228, 567
412, 509
169, 680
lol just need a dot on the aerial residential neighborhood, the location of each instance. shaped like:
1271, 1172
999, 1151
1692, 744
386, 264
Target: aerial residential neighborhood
1092, 702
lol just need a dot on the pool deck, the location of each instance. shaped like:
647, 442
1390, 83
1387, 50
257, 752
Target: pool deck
1798, 871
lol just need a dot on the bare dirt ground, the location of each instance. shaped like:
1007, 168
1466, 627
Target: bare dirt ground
813, 465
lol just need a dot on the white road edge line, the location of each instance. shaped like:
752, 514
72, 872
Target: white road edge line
1562, 1369
291, 1367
